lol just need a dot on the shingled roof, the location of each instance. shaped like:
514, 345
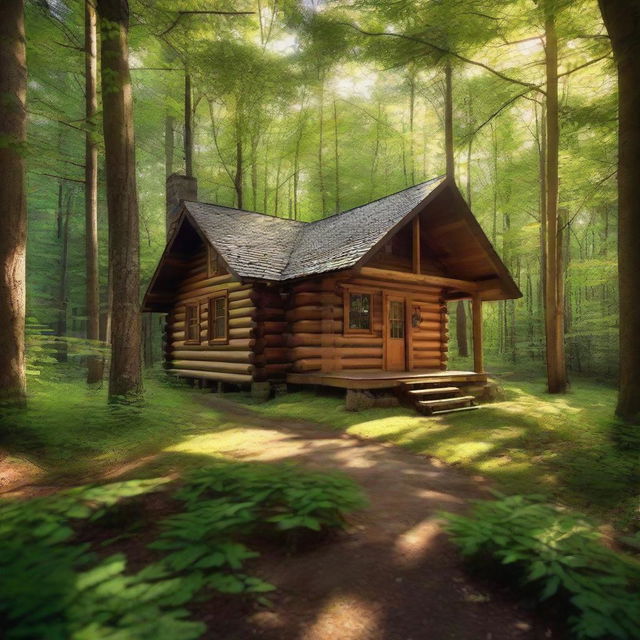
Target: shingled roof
255, 245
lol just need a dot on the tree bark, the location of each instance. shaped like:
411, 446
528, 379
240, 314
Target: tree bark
125, 380
337, 154
323, 195
63, 281
13, 208
238, 176
188, 126
448, 121
95, 363
554, 303
622, 19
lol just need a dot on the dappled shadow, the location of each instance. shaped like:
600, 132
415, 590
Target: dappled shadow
394, 575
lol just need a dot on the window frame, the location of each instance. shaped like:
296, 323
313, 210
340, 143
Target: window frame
187, 325
347, 293
210, 318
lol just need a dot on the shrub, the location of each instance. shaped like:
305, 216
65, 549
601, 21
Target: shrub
52, 586
558, 555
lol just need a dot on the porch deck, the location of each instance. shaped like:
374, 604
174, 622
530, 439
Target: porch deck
376, 379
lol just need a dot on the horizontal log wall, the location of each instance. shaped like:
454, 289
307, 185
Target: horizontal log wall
233, 361
317, 341
272, 355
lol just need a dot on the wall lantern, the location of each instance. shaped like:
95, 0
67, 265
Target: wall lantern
416, 316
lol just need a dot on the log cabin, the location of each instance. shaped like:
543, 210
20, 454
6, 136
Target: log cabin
356, 300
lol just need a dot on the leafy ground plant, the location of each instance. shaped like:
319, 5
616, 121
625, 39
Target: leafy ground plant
556, 554
54, 586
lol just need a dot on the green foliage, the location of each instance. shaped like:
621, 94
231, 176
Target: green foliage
556, 554
55, 586
51, 586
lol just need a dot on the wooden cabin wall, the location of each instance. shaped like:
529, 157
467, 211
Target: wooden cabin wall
230, 362
318, 343
272, 357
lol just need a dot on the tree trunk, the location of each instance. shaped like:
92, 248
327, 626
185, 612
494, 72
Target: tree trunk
13, 221
188, 125
125, 380
94, 362
622, 19
448, 122
238, 177
554, 304
412, 107
63, 282
337, 154
323, 195
461, 330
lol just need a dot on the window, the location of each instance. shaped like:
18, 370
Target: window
359, 317
192, 323
214, 263
396, 319
218, 318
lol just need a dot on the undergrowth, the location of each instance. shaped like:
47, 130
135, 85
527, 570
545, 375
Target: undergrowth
54, 586
556, 555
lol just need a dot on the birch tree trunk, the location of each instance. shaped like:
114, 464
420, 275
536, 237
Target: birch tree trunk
125, 380
13, 208
188, 125
622, 19
94, 362
448, 122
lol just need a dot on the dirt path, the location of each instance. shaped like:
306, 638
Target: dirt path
394, 576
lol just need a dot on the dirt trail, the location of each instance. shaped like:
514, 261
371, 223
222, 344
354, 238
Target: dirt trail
394, 576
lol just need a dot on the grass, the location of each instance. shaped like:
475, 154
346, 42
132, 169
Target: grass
568, 447
71, 431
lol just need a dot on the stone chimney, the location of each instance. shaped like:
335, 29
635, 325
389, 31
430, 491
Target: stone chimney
179, 188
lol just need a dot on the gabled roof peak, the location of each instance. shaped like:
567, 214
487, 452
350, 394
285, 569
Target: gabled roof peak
257, 245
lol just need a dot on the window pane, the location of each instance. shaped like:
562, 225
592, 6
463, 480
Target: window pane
192, 322
396, 319
218, 314
359, 311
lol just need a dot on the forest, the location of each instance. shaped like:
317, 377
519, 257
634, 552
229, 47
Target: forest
133, 504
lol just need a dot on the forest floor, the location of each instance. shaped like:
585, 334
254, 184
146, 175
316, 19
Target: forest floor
394, 571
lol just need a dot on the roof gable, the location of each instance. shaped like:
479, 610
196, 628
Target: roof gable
259, 246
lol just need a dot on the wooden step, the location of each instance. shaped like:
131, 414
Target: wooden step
434, 391
441, 411
413, 382
445, 403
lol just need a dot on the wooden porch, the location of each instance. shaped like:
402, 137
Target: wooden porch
377, 379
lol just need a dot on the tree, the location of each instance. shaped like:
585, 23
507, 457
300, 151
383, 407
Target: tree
125, 379
94, 363
13, 207
622, 19
554, 272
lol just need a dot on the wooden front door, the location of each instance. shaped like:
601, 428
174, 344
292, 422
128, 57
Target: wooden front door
395, 340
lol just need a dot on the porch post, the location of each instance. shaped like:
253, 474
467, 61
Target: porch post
476, 305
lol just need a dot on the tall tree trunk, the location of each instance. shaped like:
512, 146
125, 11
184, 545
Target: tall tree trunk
337, 154
13, 207
238, 176
461, 329
412, 107
188, 125
448, 121
125, 380
622, 19
554, 304
94, 362
323, 194
63, 281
